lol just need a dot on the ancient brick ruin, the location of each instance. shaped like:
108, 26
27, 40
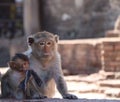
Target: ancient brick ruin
92, 55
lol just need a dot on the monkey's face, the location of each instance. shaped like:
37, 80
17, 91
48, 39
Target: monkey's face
24, 64
44, 45
15, 66
19, 65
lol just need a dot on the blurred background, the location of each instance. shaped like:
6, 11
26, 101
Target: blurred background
70, 19
89, 33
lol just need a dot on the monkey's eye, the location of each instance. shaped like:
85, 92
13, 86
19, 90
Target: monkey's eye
49, 43
42, 43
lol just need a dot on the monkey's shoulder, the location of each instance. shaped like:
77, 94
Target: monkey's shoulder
7, 74
13, 76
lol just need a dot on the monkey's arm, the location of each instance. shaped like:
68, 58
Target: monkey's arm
23, 84
30, 73
61, 85
6, 89
36, 78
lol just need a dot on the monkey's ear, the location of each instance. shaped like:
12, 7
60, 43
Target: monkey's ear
56, 38
30, 40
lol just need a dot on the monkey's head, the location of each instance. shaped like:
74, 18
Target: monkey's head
15, 66
44, 45
19, 62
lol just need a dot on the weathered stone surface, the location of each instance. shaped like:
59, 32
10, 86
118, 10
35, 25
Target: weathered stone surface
116, 31
111, 56
90, 55
79, 57
112, 92
113, 33
59, 100
110, 83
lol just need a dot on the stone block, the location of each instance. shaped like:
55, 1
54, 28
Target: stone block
60, 100
113, 33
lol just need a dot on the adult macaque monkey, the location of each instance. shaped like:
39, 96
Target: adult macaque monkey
46, 62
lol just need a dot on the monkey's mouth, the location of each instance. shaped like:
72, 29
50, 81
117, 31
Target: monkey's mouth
46, 55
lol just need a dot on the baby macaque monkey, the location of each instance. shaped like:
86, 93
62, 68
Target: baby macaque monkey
20, 65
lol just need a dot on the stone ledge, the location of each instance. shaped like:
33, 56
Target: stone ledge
59, 100
89, 41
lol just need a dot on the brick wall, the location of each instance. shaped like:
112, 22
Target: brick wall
89, 56
111, 55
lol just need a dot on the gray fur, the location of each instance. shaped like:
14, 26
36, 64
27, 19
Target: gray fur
51, 72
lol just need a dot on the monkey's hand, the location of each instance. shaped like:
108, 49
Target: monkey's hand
69, 96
